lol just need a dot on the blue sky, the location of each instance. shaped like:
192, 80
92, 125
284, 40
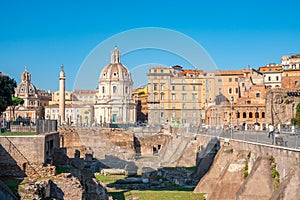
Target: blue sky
42, 35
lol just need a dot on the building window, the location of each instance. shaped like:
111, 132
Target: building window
263, 115
256, 114
114, 89
194, 88
219, 80
183, 106
173, 114
250, 115
173, 106
194, 96
269, 78
230, 79
257, 95
277, 78
154, 86
238, 115
173, 96
162, 114
155, 97
162, 96
230, 91
103, 89
173, 87
183, 87
236, 90
126, 89
236, 79
244, 115
161, 87
183, 96
194, 106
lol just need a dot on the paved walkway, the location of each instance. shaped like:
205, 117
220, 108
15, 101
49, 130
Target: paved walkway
291, 140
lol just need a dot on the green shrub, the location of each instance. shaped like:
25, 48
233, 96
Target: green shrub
275, 173
249, 155
246, 174
246, 166
272, 159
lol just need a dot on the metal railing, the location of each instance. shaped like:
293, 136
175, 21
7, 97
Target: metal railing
284, 138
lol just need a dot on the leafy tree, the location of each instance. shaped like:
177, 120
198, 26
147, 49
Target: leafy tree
7, 89
15, 102
297, 119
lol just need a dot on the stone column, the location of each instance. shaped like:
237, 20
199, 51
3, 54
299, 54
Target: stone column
62, 91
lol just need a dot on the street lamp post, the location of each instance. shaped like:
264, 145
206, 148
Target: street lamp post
293, 118
231, 100
237, 121
256, 125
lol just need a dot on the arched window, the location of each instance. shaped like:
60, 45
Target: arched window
114, 89
263, 115
250, 115
244, 115
238, 115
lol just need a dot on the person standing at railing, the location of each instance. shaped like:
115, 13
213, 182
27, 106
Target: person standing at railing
271, 130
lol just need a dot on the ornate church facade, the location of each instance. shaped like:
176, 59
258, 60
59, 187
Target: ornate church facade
34, 101
114, 99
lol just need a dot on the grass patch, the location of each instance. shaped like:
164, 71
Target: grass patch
162, 195
17, 133
109, 178
172, 191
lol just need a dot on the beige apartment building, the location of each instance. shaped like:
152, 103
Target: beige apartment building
272, 75
227, 83
176, 96
55, 98
291, 71
79, 109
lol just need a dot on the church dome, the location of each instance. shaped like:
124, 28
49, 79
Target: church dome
26, 87
115, 70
